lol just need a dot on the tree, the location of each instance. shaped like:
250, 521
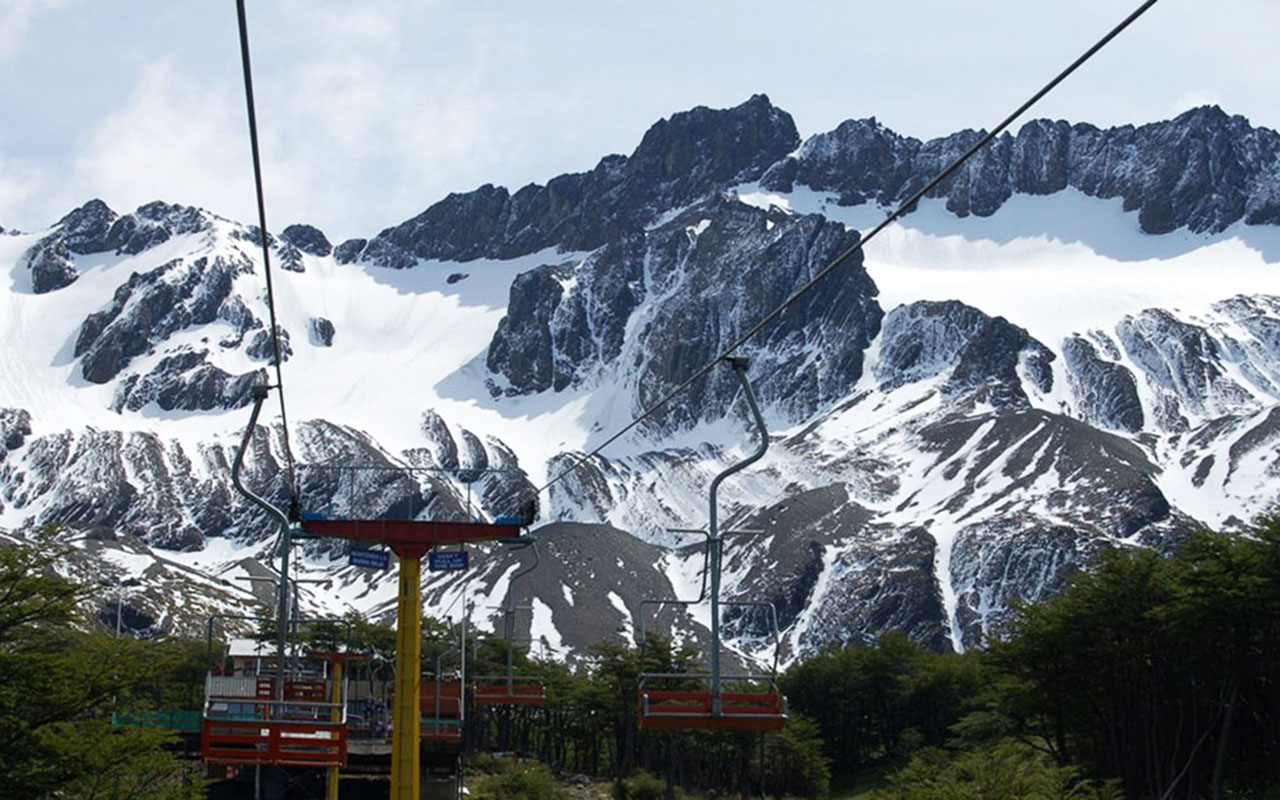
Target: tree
59, 687
1157, 670
1004, 770
874, 704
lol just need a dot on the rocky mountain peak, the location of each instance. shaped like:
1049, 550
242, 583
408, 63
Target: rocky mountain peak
86, 229
694, 151
1204, 170
308, 239
679, 160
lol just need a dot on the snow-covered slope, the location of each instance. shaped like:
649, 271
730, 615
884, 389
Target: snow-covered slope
1010, 377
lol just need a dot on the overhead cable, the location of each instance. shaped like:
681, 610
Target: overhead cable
264, 240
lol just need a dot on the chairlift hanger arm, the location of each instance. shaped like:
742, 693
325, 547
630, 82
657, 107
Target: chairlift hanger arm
521, 543
260, 393
739, 366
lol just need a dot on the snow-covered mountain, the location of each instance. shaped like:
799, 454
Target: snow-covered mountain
1074, 343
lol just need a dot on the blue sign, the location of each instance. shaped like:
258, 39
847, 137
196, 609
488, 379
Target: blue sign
377, 559
447, 559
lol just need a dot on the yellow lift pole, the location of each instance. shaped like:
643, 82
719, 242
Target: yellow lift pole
410, 540
406, 715
335, 716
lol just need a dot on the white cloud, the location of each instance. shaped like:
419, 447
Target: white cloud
173, 140
15, 19
21, 185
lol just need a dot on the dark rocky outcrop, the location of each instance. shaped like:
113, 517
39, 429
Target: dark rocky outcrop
1184, 365
440, 442
308, 239
883, 579
981, 355
320, 331
15, 427
349, 251
88, 228
82, 231
707, 275
263, 348
678, 161
152, 306
152, 224
185, 382
291, 259
1203, 170
1106, 391
50, 266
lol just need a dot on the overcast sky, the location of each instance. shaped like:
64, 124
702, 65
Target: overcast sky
371, 110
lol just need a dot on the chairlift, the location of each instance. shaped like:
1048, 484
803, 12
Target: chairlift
512, 689
290, 714
685, 701
442, 709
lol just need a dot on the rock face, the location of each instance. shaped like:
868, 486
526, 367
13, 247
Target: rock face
186, 382
263, 348
15, 427
678, 161
703, 278
1107, 391
1203, 171
308, 239
95, 228
983, 356
826, 563
51, 268
152, 224
321, 331
349, 251
153, 306
1184, 365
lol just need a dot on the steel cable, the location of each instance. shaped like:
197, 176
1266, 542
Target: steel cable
263, 237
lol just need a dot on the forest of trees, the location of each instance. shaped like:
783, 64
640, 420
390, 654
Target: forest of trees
1150, 676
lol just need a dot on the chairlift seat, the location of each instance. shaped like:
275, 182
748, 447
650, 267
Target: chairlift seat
242, 723
441, 730
450, 699
517, 691
276, 742
441, 704
693, 709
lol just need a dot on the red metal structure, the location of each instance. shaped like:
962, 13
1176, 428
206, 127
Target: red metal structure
694, 709
515, 691
243, 723
441, 711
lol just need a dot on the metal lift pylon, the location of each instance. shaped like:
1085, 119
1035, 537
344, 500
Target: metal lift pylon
409, 540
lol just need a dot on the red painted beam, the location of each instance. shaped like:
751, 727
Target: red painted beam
409, 538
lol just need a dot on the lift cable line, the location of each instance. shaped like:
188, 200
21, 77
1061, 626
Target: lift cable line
848, 253
263, 236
